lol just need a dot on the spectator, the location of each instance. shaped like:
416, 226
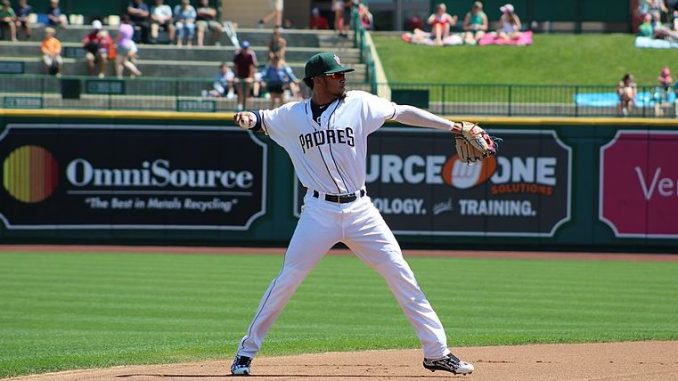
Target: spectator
675, 16
23, 10
339, 7
665, 79
475, 24
509, 22
644, 7
657, 9
421, 37
51, 52
184, 16
366, 18
661, 97
98, 44
414, 22
318, 21
277, 45
245, 62
127, 50
8, 19
223, 82
626, 91
275, 15
441, 22
54, 16
279, 77
161, 16
646, 29
139, 14
288, 24
206, 19
664, 33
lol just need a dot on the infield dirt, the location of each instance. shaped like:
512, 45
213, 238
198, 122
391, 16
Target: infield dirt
647, 361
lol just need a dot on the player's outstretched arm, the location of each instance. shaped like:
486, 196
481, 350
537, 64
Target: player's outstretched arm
471, 141
413, 116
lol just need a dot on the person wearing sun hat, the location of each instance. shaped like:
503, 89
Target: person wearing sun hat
510, 23
326, 139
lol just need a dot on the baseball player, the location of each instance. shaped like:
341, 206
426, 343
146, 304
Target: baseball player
326, 138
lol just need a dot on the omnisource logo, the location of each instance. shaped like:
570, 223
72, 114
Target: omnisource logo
156, 174
30, 174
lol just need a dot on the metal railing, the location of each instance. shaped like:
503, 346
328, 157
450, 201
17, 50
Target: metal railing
360, 42
532, 100
186, 94
82, 92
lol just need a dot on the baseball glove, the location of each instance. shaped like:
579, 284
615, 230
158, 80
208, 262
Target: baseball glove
473, 143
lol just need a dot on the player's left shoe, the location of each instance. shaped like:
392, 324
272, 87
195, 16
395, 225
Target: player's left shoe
241, 366
449, 363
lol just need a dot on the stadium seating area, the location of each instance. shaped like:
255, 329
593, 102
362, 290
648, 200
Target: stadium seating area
164, 64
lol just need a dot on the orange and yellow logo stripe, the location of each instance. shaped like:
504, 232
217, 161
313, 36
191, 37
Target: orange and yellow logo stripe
30, 174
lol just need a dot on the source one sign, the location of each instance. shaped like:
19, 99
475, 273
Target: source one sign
639, 184
123, 176
416, 181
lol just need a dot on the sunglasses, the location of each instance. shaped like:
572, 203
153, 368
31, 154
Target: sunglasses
336, 75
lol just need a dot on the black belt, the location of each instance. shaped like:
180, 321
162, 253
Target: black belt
340, 198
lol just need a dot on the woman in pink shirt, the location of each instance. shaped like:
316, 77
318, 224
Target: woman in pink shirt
440, 22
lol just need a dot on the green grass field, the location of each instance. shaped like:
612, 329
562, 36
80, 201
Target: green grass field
584, 59
94, 310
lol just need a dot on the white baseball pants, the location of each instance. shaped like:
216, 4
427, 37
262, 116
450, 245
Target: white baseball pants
361, 227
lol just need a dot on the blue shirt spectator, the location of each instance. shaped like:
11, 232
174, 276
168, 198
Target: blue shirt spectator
54, 16
185, 15
139, 11
139, 14
23, 10
279, 77
223, 82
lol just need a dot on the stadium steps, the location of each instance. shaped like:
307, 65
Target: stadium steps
172, 53
294, 37
54, 100
166, 68
334, 42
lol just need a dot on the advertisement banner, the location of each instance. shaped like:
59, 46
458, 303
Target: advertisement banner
83, 176
415, 179
638, 192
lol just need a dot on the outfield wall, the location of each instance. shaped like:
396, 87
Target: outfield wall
192, 178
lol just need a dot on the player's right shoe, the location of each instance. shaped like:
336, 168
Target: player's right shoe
241, 366
449, 363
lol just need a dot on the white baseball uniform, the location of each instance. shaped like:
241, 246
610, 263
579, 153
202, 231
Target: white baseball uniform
329, 157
